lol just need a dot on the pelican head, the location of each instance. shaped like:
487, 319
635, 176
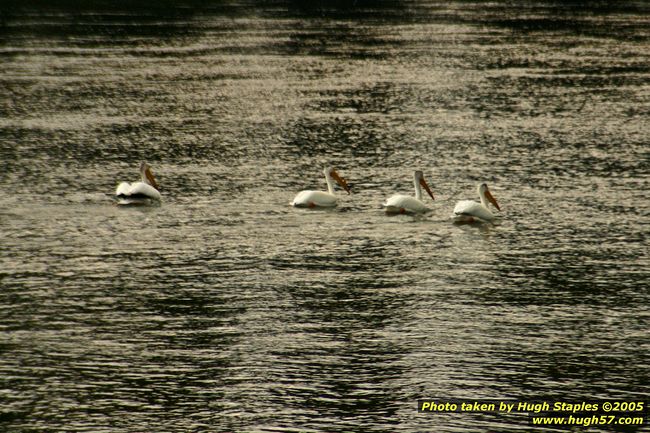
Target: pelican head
147, 175
330, 172
484, 193
419, 178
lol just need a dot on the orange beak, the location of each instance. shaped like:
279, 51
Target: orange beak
150, 178
426, 188
492, 200
340, 181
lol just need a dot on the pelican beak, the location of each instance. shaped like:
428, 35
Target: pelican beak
340, 181
426, 188
492, 200
150, 178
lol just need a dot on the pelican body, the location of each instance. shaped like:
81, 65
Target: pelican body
313, 199
147, 188
471, 211
400, 203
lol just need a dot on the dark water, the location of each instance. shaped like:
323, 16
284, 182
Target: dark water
223, 308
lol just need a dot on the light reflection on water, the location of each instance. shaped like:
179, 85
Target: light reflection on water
226, 309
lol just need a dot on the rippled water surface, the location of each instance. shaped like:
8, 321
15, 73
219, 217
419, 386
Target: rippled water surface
224, 308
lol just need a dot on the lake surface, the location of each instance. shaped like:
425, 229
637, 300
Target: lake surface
225, 309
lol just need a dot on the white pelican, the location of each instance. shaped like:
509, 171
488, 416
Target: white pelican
321, 198
145, 189
470, 211
400, 203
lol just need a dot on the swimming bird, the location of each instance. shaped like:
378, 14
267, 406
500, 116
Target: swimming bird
400, 203
470, 211
147, 188
312, 199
